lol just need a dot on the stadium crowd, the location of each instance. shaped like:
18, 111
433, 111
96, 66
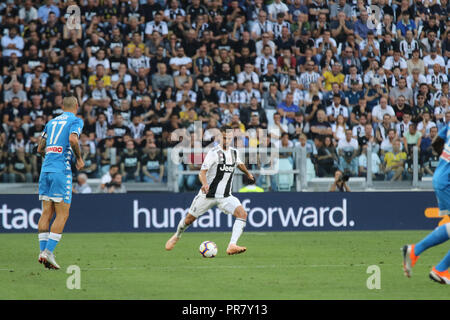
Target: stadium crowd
326, 74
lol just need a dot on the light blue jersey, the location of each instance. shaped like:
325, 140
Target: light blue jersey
58, 154
55, 181
441, 177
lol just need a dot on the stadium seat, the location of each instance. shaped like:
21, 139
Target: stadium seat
310, 170
285, 180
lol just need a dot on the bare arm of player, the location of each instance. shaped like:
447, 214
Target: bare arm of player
73, 139
243, 168
41, 147
438, 145
203, 181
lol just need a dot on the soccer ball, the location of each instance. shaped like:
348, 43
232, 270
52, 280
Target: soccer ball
208, 249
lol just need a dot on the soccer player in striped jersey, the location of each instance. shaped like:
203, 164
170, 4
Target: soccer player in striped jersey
441, 184
58, 143
216, 177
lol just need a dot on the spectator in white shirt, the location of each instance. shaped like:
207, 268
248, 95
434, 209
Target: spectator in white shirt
414, 80
264, 60
426, 124
395, 61
121, 77
381, 109
99, 58
137, 128
180, 60
186, 95
261, 26
156, 25
28, 13
248, 93
336, 109
348, 150
248, 74
386, 144
137, 62
403, 126
430, 60
275, 8
107, 177
82, 186
436, 78
265, 40
376, 164
12, 43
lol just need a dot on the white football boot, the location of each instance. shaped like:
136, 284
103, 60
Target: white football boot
49, 260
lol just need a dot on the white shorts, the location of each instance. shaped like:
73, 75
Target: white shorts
201, 204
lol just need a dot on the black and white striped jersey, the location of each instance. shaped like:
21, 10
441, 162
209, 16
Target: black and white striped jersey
307, 78
436, 80
407, 48
220, 164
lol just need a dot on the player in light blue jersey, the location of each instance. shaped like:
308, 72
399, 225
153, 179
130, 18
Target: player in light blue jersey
58, 145
441, 184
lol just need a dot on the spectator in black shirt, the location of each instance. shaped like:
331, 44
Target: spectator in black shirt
400, 108
311, 110
324, 162
152, 164
388, 46
234, 11
36, 130
246, 41
420, 108
75, 58
155, 126
15, 109
129, 163
150, 9
321, 127
245, 57
194, 10
120, 129
208, 93
254, 108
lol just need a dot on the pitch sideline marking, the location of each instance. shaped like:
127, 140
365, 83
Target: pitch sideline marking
211, 267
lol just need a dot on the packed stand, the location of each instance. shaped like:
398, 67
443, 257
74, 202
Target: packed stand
324, 73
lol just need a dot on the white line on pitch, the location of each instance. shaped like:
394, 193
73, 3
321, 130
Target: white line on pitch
211, 267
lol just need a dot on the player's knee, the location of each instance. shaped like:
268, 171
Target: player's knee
241, 213
189, 219
62, 212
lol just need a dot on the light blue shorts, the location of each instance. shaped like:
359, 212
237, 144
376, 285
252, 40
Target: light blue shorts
55, 186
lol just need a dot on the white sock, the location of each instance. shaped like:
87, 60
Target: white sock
55, 236
181, 227
238, 228
43, 236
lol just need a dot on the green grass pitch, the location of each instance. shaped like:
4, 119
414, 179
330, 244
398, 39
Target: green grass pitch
277, 265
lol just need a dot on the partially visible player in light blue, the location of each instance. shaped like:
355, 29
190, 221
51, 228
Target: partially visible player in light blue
441, 184
58, 145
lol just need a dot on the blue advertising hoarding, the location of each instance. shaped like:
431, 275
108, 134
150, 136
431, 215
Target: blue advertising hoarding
160, 212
